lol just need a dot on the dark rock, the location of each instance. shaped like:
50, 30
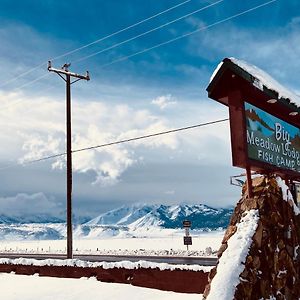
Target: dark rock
272, 267
222, 249
229, 232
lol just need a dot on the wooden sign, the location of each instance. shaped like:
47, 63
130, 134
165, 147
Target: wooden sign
264, 120
271, 140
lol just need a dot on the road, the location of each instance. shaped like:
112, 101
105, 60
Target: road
188, 260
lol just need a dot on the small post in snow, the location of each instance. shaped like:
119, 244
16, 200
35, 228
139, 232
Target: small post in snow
187, 239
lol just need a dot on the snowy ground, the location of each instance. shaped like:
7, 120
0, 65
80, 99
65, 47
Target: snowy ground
169, 245
16, 287
45, 288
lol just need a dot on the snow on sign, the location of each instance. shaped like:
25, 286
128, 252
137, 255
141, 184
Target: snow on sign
264, 119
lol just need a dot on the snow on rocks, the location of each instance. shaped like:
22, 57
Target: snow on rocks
271, 265
231, 263
287, 195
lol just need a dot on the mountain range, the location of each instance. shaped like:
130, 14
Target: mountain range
165, 216
126, 221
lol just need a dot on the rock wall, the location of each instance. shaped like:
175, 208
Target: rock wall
272, 266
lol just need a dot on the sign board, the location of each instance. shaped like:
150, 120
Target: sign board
187, 240
187, 223
297, 194
271, 140
295, 190
264, 120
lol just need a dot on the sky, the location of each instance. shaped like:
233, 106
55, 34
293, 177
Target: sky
133, 91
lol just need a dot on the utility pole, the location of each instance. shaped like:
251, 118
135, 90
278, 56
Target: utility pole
66, 76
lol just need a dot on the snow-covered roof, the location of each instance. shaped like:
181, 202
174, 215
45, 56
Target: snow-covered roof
259, 78
264, 79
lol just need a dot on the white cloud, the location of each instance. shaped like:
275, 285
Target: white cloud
109, 163
41, 132
164, 101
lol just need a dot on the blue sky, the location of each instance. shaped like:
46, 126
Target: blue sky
157, 90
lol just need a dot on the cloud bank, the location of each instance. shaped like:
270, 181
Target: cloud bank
29, 204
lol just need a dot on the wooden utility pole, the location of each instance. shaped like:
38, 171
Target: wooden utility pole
66, 76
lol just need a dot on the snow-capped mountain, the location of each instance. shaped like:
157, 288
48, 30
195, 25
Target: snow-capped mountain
122, 216
128, 221
164, 216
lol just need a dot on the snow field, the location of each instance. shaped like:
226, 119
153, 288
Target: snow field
169, 245
16, 287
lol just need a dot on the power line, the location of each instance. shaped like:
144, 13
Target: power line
186, 34
150, 135
149, 31
31, 82
22, 74
118, 142
115, 45
19, 88
121, 30
39, 94
118, 44
22, 86
95, 42
169, 41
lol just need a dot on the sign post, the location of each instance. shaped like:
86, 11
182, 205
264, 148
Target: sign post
187, 239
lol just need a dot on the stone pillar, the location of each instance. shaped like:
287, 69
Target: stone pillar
271, 267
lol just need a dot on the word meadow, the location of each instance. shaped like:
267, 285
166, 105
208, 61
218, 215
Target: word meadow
272, 140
